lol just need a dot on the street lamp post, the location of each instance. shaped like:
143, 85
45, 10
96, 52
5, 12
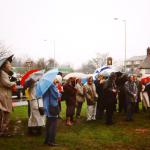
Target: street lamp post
125, 41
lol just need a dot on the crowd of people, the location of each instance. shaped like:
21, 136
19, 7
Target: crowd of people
103, 96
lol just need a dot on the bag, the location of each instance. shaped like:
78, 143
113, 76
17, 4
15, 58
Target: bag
41, 110
54, 110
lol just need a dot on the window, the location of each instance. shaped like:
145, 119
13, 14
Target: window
147, 71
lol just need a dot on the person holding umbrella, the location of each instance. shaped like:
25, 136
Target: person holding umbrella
36, 119
5, 94
47, 89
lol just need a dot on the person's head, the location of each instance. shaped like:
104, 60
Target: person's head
100, 77
135, 77
131, 78
29, 83
60, 73
90, 80
78, 80
6, 66
113, 76
55, 81
59, 78
72, 81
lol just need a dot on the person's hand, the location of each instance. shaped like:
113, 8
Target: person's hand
14, 88
114, 90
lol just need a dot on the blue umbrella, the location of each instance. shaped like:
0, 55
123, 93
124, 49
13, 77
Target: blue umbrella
45, 82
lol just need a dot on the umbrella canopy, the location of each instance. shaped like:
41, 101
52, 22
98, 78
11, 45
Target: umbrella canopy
75, 75
145, 79
98, 70
105, 71
45, 82
27, 75
37, 75
3, 59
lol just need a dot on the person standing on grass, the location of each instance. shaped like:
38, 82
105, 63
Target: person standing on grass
121, 93
70, 92
5, 95
50, 99
58, 83
139, 88
110, 92
99, 83
79, 97
131, 97
36, 120
91, 98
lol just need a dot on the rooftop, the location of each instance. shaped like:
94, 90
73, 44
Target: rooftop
137, 58
146, 63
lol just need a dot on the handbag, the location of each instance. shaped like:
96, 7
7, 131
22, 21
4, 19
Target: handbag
41, 109
54, 110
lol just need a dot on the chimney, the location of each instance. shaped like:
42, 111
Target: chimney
148, 51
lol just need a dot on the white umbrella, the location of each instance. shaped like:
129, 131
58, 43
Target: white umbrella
75, 75
105, 71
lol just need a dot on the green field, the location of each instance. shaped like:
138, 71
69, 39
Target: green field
82, 135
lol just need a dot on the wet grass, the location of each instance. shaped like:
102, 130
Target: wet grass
82, 135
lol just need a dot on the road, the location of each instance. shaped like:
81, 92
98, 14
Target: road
19, 102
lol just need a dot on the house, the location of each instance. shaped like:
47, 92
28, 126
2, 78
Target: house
145, 64
133, 64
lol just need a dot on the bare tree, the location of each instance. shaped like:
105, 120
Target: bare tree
4, 50
94, 63
100, 60
52, 63
88, 67
17, 62
41, 64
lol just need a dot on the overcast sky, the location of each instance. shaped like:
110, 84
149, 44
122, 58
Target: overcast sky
80, 28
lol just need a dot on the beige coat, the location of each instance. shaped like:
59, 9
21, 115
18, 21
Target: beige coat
35, 118
5, 92
80, 94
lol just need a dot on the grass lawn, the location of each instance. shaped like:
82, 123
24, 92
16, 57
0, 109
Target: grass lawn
82, 135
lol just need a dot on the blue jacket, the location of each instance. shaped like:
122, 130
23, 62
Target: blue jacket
50, 98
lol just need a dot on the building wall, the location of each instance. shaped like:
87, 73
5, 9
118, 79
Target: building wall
133, 65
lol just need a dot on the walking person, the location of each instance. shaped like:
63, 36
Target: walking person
131, 96
5, 95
